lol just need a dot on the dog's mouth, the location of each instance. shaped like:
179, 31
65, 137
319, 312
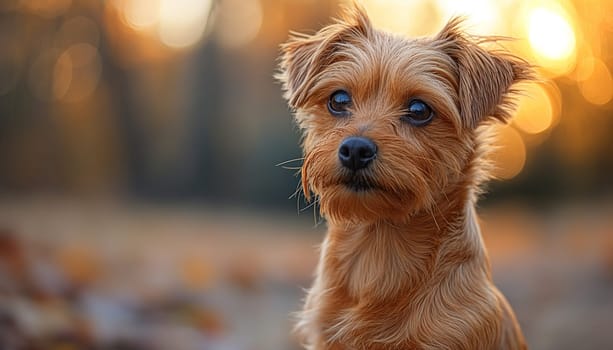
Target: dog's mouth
359, 183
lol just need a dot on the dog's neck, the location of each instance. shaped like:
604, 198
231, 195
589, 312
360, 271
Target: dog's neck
382, 259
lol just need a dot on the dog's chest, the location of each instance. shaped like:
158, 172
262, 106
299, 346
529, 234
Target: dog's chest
375, 263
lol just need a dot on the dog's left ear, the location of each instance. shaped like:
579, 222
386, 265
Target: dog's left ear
485, 77
303, 57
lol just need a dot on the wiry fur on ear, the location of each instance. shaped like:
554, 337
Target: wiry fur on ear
304, 56
485, 77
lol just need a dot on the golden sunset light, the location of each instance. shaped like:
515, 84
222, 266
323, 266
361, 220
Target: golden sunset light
552, 38
534, 112
550, 34
597, 86
155, 154
177, 23
182, 22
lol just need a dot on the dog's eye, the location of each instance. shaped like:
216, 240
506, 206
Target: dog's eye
339, 103
418, 113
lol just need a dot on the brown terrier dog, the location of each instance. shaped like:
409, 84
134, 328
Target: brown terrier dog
394, 144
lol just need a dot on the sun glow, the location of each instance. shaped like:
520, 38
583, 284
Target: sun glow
482, 16
552, 38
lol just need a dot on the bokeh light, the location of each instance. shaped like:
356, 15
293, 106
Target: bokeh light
141, 14
176, 23
76, 72
62, 76
597, 86
550, 34
41, 75
238, 22
509, 156
534, 111
182, 22
552, 37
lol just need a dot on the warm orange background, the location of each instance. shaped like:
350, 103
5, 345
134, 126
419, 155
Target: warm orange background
140, 205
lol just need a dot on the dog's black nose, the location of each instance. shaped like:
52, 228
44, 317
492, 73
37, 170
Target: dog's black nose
356, 152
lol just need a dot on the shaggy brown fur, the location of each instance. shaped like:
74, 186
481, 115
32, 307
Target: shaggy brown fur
403, 265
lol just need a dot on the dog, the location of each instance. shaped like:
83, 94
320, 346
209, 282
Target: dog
395, 138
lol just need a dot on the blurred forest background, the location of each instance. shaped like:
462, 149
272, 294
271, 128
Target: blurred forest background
140, 204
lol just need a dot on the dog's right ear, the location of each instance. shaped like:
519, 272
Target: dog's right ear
303, 57
485, 77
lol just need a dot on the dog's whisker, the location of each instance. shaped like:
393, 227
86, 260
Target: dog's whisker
312, 204
297, 191
290, 167
290, 161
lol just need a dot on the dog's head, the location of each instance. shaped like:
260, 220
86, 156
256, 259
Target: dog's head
390, 123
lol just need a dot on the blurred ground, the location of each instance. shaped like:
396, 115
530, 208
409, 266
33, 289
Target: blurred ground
106, 275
